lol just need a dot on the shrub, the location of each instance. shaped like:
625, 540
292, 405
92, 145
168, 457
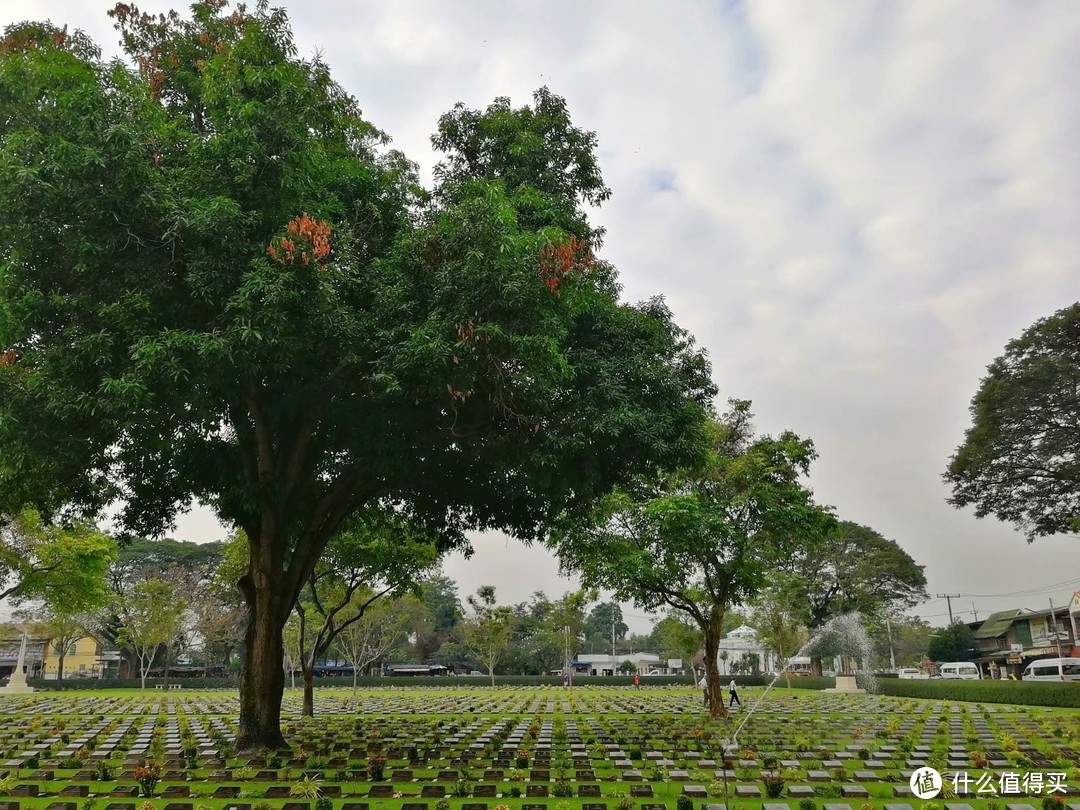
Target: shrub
1053, 803
625, 803
684, 803
308, 787
442, 804
807, 804
774, 785
324, 803
562, 789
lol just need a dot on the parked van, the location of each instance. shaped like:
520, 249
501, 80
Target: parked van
1053, 669
960, 670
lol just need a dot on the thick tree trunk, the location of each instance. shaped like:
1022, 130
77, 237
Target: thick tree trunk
262, 677
60, 672
712, 631
815, 665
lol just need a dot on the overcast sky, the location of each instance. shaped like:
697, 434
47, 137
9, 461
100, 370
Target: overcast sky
853, 206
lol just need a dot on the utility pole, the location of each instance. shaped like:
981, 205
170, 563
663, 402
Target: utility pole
974, 611
1057, 637
612, 638
892, 654
948, 597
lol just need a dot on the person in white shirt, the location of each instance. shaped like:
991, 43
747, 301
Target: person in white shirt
704, 686
734, 694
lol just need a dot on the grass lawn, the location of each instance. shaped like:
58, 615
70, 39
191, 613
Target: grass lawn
526, 748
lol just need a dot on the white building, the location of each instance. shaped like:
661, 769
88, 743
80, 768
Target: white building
646, 664
738, 650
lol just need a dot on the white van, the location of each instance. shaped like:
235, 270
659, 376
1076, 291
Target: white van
960, 670
1053, 669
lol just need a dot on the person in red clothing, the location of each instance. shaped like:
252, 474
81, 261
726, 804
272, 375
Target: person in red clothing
637, 682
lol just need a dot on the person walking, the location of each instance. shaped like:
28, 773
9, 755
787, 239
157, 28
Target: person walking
704, 685
637, 682
733, 691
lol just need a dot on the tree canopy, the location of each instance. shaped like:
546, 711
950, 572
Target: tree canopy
220, 284
63, 566
953, 643
706, 538
855, 569
1020, 460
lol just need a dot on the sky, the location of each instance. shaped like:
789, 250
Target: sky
853, 206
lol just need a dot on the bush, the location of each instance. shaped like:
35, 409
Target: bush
562, 789
324, 803
807, 804
684, 803
1009, 692
774, 785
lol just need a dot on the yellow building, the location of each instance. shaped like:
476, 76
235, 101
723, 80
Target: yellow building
82, 660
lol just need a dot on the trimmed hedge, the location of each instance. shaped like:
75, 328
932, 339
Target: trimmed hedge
1063, 695
432, 681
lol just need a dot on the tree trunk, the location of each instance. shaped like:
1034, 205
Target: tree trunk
354, 679
262, 677
60, 671
308, 709
815, 665
491, 672
712, 632
165, 672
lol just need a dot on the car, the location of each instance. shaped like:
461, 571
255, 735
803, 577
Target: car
960, 671
1053, 669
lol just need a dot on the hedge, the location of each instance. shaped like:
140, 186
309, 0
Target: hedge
430, 681
1064, 695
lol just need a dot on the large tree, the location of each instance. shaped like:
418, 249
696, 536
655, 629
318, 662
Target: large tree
855, 569
706, 538
220, 285
1020, 460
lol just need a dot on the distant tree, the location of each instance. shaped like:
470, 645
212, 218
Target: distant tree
628, 667
678, 637
1020, 460
567, 621
599, 622
488, 629
63, 566
378, 552
953, 643
854, 569
777, 621
374, 633
59, 630
906, 637
723, 661
704, 539
151, 617
443, 614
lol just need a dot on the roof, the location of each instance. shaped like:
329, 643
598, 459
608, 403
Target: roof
997, 624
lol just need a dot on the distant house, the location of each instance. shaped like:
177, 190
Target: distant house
606, 664
1007, 641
